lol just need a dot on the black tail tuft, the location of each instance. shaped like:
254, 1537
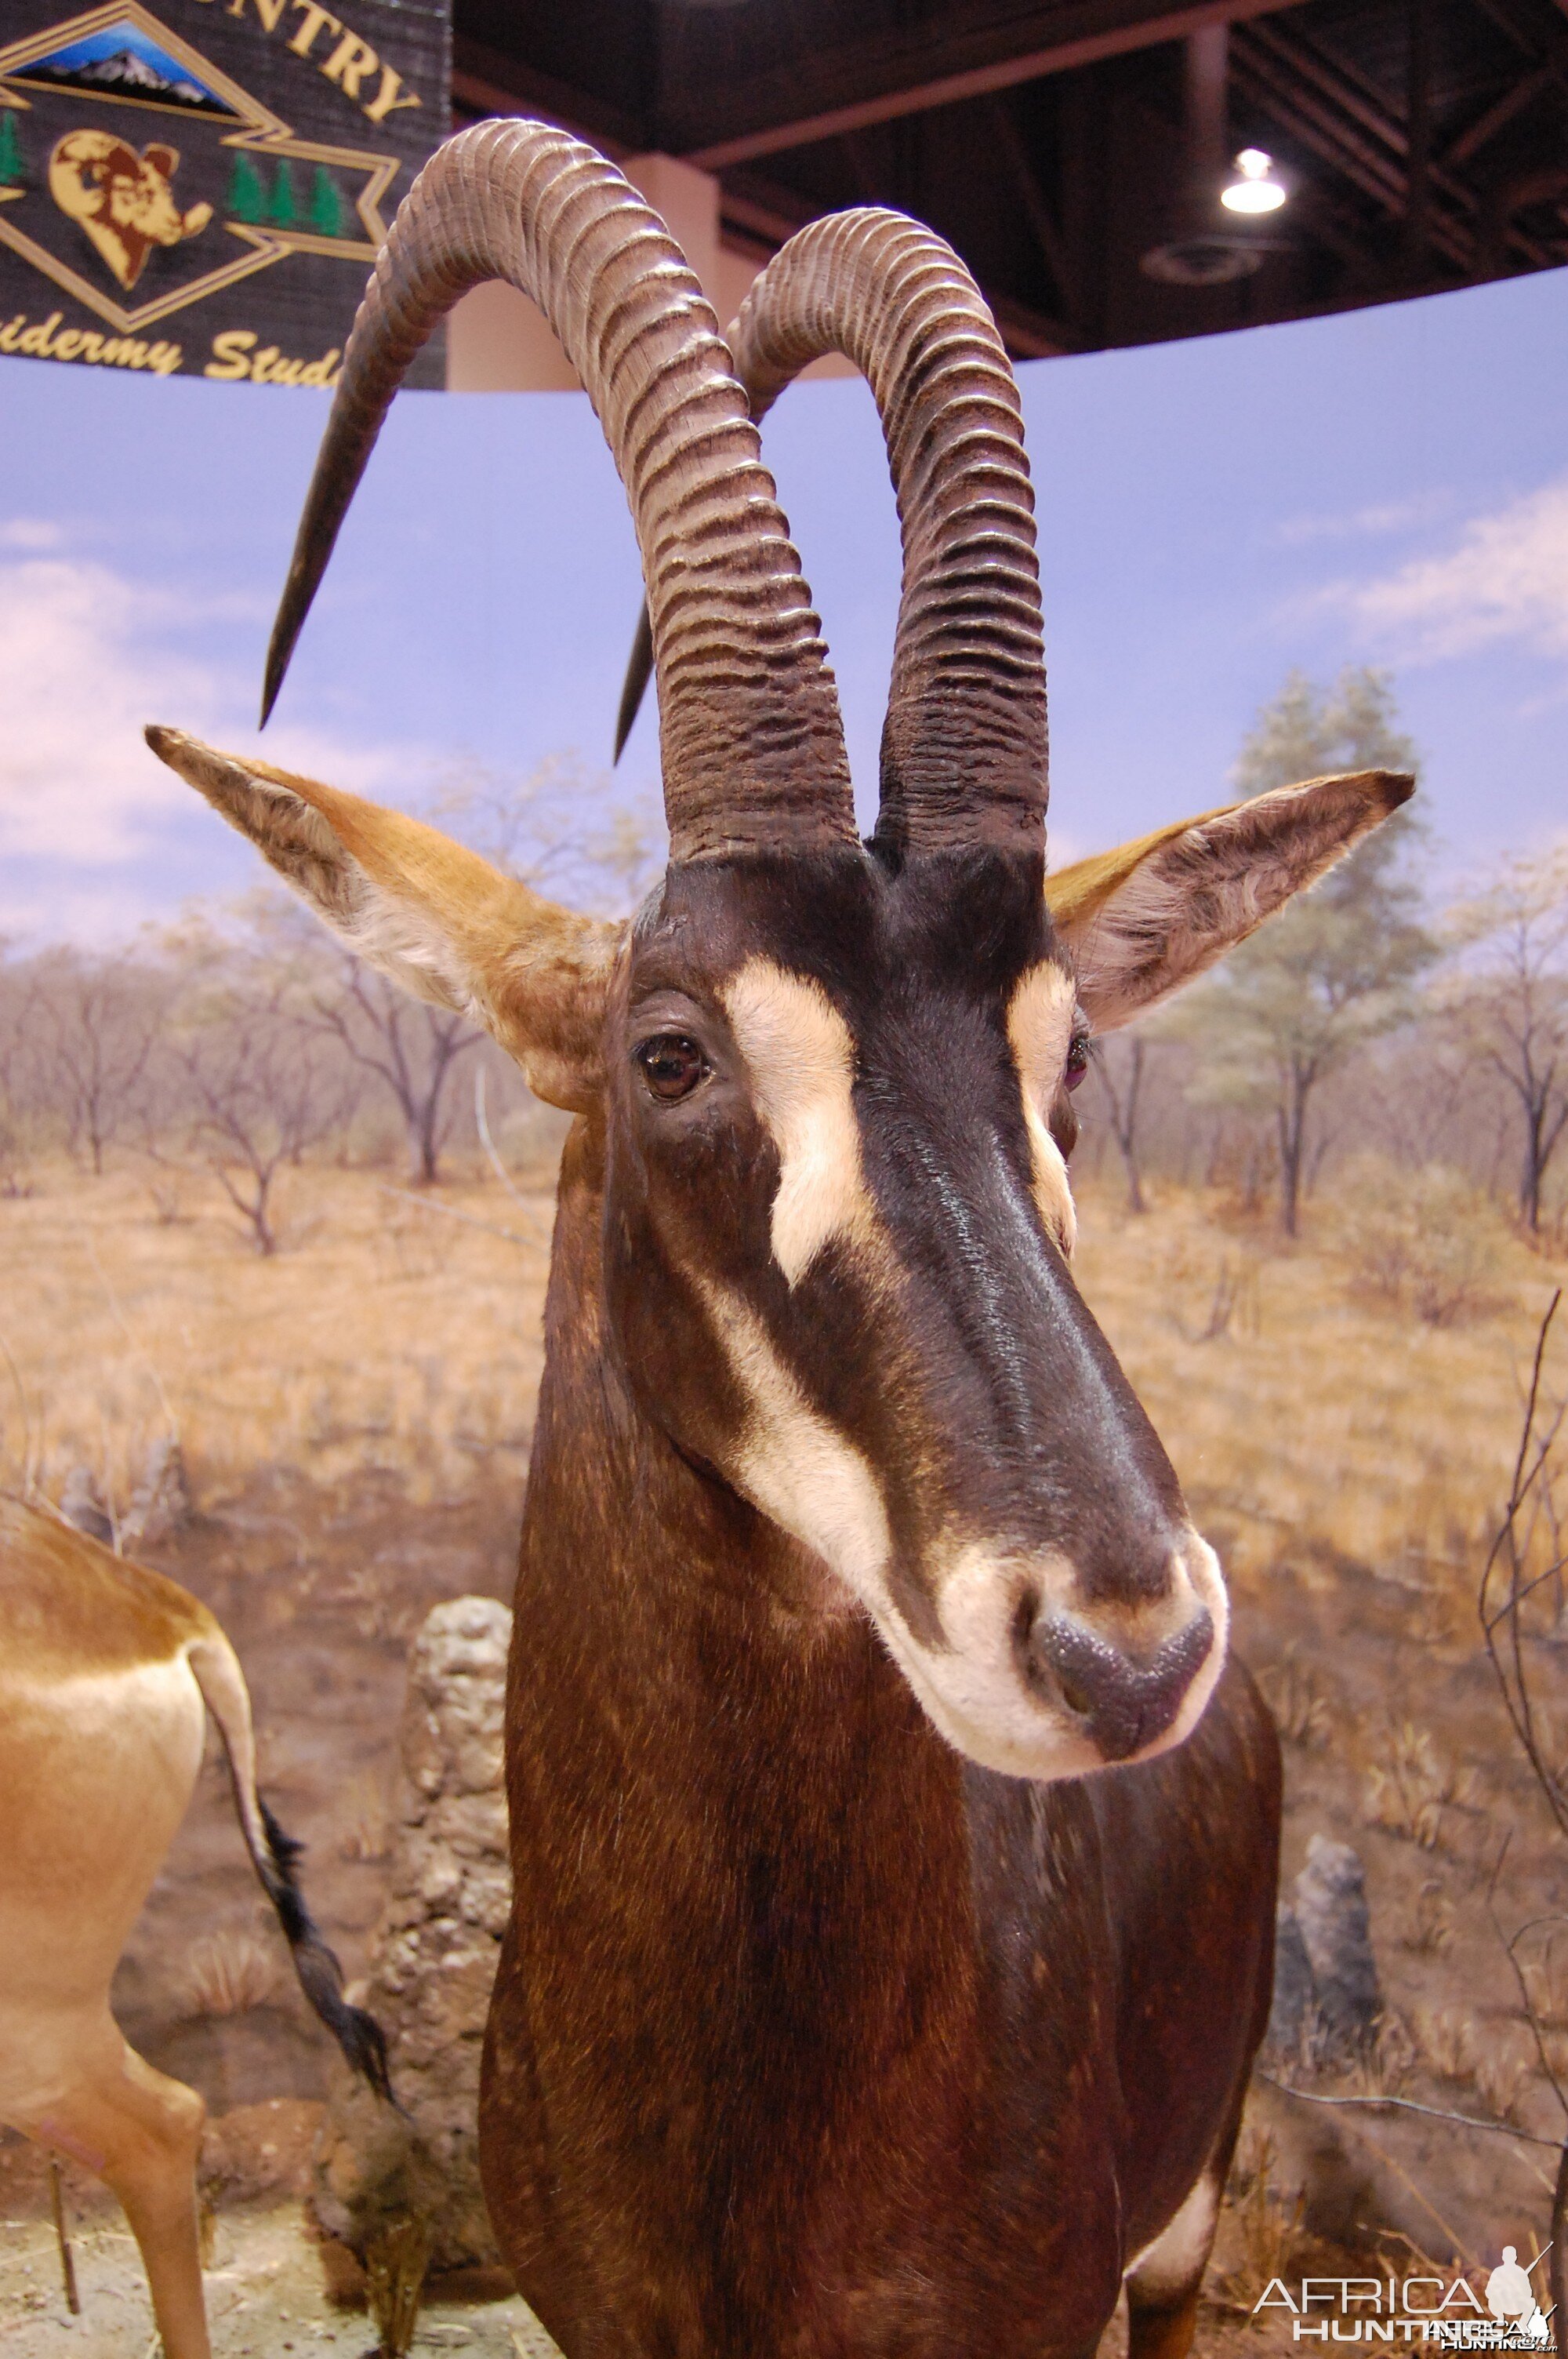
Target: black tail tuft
321, 1977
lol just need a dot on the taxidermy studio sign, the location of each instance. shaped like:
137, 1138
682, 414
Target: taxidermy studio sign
200, 187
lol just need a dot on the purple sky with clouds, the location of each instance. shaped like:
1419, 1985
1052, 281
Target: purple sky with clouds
1388, 487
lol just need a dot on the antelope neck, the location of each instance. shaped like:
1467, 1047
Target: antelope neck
725, 1795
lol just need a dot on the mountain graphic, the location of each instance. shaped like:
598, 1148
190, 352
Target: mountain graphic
122, 62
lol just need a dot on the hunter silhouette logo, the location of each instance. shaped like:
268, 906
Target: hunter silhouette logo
86, 203
122, 201
1511, 2299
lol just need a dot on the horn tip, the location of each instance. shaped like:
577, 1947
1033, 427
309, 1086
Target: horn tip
277, 657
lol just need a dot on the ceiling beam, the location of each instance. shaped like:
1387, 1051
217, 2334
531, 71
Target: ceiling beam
762, 211
1499, 116
1036, 206
890, 79
492, 81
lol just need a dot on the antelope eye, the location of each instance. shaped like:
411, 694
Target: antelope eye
1078, 1059
671, 1065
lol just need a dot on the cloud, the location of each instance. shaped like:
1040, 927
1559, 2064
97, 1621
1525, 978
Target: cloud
87, 657
1365, 524
30, 532
1505, 579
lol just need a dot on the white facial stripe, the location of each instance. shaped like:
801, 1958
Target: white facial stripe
816, 1484
802, 1063
795, 1467
1040, 1029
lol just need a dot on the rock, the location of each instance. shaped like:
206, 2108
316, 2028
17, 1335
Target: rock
1293, 2015
1336, 1933
434, 1959
82, 1507
161, 1504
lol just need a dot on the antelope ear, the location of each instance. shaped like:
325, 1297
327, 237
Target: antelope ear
427, 912
1145, 918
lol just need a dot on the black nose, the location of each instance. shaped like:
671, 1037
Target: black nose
1125, 1706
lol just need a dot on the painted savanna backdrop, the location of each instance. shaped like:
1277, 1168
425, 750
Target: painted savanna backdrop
272, 1242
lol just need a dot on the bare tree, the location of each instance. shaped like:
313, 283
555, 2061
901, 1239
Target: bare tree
413, 1049
1509, 1001
96, 1021
533, 828
263, 1086
1120, 1079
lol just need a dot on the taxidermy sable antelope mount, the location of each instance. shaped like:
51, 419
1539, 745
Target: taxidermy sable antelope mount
106, 1674
895, 1853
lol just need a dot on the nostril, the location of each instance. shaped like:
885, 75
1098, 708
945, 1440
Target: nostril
1075, 1694
1126, 1705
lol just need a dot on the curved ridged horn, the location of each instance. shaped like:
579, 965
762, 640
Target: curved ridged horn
752, 744
964, 746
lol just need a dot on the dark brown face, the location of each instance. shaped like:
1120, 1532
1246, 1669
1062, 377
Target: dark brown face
838, 1227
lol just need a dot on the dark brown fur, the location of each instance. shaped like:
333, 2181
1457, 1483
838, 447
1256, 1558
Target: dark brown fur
810, 2037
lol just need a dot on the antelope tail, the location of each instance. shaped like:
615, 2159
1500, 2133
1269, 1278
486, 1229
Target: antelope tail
275, 1857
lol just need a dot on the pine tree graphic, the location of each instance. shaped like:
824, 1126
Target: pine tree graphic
328, 215
284, 211
13, 163
247, 198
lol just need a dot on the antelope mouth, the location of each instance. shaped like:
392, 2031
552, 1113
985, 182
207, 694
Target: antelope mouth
1033, 1682
1126, 1705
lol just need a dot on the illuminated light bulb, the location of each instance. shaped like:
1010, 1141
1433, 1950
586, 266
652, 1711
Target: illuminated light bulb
1256, 192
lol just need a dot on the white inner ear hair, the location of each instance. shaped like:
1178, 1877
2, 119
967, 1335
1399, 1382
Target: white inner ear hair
1040, 1029
1149, 939
395, 934
1195, 897
801, 1060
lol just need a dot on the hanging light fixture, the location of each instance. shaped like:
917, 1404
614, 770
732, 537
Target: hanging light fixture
1203, 251
1256, 190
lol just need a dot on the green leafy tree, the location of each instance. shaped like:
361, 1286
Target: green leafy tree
1335, 968
327, 214
247, 198
13, 163
282, 213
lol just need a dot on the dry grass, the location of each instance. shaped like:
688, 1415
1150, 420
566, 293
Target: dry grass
1445, 2036
1545, 1969
387, 1334
229, 1973
1503, 2080
1411, 1789
1296, 1698
1330, 1423
1384, 2068
1268, 2229
1426, 1240
1433, 1922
